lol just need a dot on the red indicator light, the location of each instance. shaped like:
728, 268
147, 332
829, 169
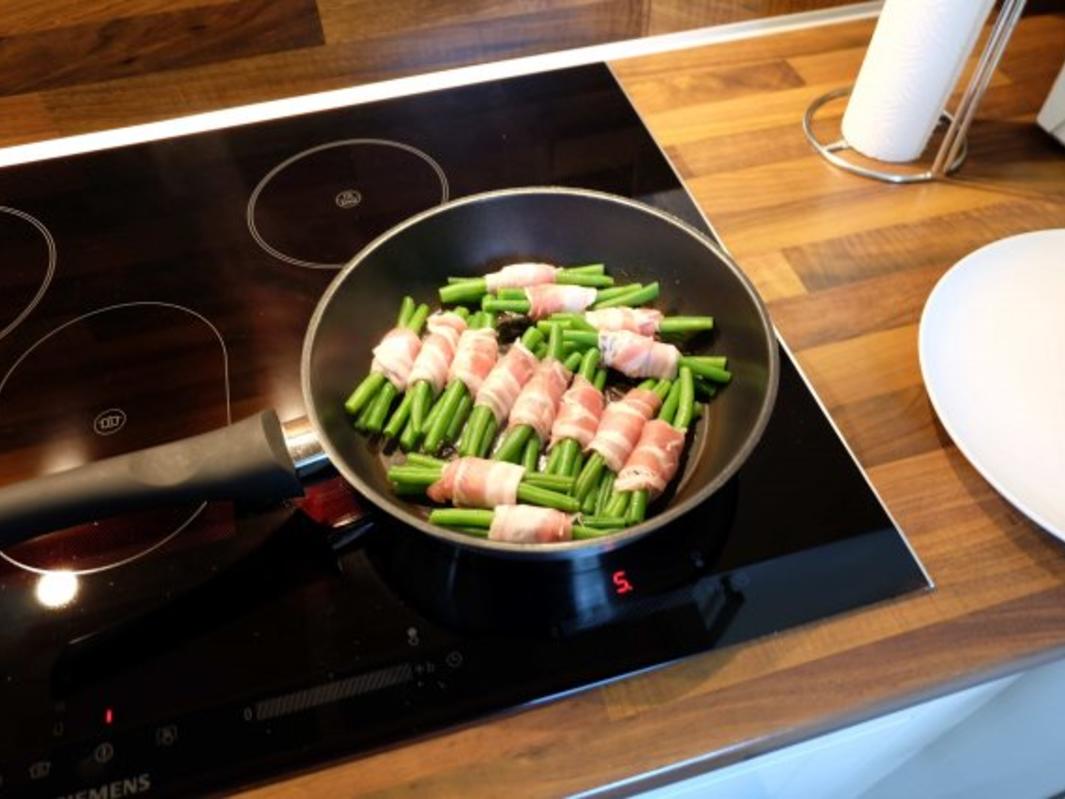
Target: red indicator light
109, 716
621, 582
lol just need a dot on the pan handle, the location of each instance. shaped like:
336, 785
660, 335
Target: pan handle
246, 461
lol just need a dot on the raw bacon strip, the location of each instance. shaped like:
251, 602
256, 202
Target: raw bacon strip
619, 429
538, 402
638, 356
643, 321
438, 349
503, 384
579, 414
394, 356
518, 276
477, 483
545, 300
477, 353
528, 524
653, 463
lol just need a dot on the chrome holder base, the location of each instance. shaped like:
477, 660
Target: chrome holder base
953, 148
831, 151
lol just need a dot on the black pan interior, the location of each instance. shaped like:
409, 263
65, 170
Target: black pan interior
561, 226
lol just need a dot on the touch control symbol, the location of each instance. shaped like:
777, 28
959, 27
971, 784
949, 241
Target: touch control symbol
166, 736
412, 636
103, 753
40, 770
109, 422
453, 659
348, 198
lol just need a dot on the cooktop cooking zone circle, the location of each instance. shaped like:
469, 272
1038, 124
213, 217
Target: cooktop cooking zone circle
28, 265
135, 375
321, 206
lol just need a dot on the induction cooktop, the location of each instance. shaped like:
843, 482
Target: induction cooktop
162, 289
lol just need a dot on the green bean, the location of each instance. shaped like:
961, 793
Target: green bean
462, 292
534, 495
449, 403
408, 438
669, 405
606, 490
487, 437
552, 460
638, 507
603, 521
530, 456
589, 364
406, 308
419, 407
418, 317
513, 443
471, 436
425, 461
365, 392
554, 343
599, 381
589, 476
381, 405
556, 482
399, 417
570, 450
704, 369
584, 279
639, 296
414, 475
573, 360
464, 517
458, 421
362, 421
578, 463
585, 337
588, 269
618, 504
674, 325
685, 399
490, 303
531, 338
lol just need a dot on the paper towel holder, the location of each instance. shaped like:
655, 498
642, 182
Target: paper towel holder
953, 149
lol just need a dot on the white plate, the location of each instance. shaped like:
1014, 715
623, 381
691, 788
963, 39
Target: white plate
992, 350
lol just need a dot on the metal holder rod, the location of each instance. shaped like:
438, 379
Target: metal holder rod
953, 149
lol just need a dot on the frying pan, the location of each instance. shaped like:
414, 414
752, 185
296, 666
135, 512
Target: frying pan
253, 461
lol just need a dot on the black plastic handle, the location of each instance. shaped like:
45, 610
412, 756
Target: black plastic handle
246, 461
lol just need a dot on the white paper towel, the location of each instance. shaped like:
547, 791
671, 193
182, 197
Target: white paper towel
917, 53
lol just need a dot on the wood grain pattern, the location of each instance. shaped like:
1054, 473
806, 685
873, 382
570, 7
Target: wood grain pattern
91, 52
845, 265
107, 63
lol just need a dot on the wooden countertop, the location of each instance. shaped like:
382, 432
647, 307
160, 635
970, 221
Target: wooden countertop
845, 265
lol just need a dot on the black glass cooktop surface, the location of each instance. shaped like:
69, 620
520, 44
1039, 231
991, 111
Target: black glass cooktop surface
162, 290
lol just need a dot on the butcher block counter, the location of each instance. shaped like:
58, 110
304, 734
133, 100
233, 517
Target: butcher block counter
845, 265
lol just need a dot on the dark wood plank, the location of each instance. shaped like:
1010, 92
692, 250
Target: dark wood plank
149, 43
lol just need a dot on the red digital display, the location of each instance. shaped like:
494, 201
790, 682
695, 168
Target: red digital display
621, 582
109, 716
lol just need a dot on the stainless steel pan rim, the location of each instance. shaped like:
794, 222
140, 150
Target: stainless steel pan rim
566, 549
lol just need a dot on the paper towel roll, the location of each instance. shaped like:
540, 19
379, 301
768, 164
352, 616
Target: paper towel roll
917, 53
